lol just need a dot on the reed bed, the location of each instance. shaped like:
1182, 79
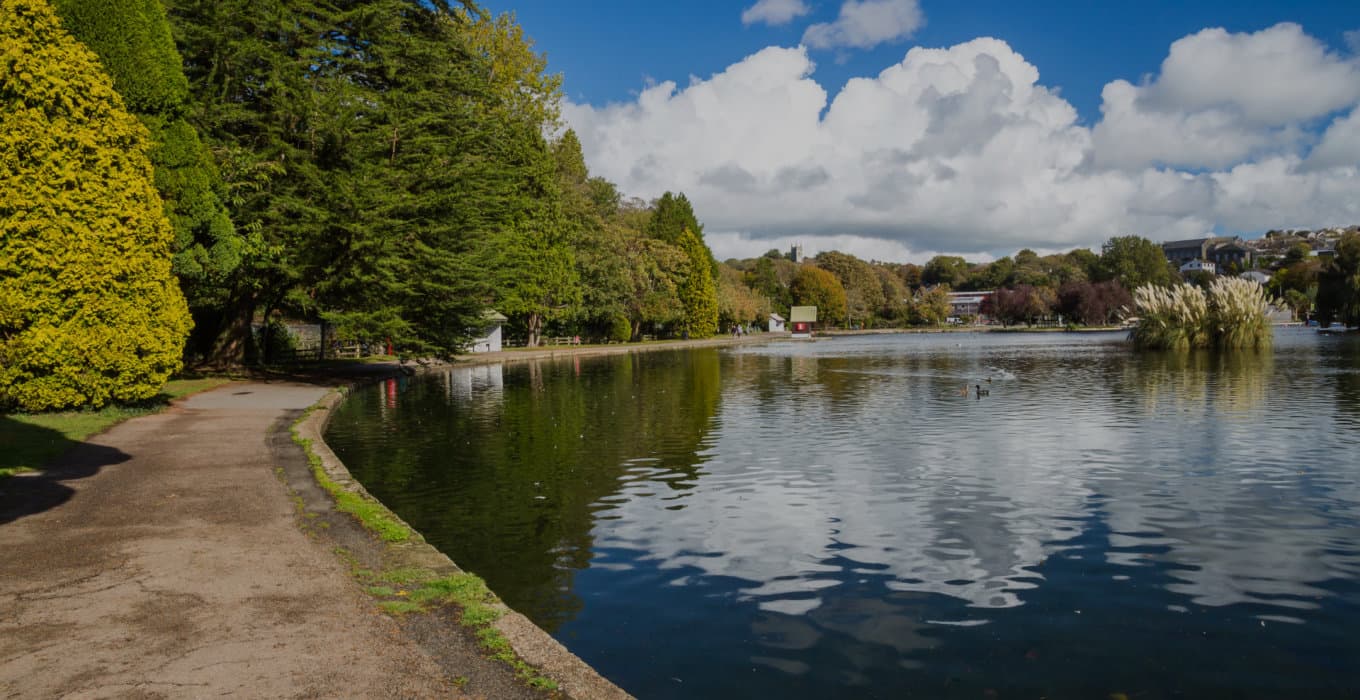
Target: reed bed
1230, 315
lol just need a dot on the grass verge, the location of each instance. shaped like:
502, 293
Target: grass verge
403, 591
406, 590
374, 516
32, 440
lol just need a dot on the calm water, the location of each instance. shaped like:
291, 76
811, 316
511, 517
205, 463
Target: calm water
833, 519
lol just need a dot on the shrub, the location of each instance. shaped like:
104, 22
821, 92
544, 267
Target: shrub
89, 310
1239, 310
620, 329
1231, 314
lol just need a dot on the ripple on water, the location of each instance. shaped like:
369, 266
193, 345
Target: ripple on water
815, 517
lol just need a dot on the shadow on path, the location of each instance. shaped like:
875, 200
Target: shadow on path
28, 494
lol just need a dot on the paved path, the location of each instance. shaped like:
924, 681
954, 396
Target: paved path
163, 559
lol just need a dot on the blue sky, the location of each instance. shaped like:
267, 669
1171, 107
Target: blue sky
611, 51
607, 50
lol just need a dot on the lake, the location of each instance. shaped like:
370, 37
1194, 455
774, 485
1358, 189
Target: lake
849, 518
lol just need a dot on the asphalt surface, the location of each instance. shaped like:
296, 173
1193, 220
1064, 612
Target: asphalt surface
164, 558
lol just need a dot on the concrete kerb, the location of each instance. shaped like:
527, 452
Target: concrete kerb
574, 677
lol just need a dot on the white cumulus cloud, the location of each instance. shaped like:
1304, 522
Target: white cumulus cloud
864, 24
1340, 145
774, 12
1221, 98
964, 150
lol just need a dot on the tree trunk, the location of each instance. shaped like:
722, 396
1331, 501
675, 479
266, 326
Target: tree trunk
535, 326
229, 348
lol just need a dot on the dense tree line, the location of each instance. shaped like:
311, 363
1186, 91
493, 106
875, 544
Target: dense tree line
1080, 287
391, 168
394, 169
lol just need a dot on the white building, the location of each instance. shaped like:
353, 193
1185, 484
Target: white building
490, 340
776, 323
1194, 266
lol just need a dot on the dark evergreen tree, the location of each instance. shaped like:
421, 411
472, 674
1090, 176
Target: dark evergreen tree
134, 44
671, 216
1338, 295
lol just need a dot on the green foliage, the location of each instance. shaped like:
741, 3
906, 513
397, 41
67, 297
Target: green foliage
133, 41
1338, 295
945, 269
737, 304
1299, 302
813, 286
697, 290
89, 310
517, 75
384, 152
896, 296
672, 215
931, 306
863, 289
1135, 262
770, 278
537, 279
620, 329
371, 514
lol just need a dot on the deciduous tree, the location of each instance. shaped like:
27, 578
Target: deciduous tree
1136, 261
813, 286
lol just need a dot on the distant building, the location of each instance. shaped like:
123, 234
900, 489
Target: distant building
796, 253
1219, 250
776, 323
1256, 276
1198, 266
490, 340
803, 318
967, 303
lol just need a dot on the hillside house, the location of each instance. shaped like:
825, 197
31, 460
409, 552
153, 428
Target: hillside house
1222, 251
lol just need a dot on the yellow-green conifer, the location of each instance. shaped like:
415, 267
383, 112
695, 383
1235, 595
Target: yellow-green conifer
89, 310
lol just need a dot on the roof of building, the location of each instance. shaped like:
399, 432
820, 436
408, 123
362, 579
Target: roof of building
1195, 242
803, 314
494, 315
776, 317
1187, 243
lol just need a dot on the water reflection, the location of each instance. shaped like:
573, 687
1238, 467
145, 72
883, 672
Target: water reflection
813, 517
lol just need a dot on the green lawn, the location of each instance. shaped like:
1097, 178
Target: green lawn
31, 440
